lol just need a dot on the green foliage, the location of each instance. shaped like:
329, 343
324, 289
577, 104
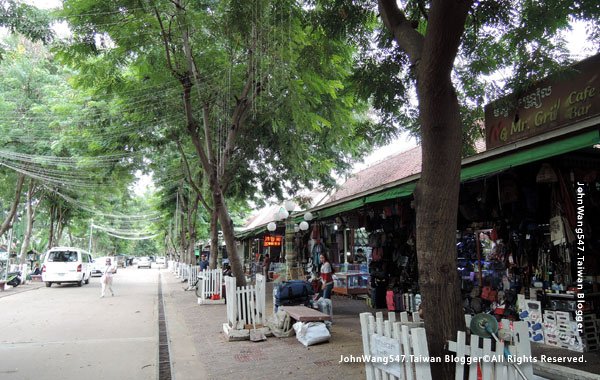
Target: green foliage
27, 20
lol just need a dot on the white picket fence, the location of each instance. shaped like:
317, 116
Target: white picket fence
182, 271
494, 364
397, 351
245, 304
193, 274
211, 287
394, 347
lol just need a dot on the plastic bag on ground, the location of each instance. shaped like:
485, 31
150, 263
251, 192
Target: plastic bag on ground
325, 306
311, 333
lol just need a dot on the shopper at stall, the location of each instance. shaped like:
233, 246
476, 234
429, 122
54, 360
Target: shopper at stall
266, 266
360, 256
326, 275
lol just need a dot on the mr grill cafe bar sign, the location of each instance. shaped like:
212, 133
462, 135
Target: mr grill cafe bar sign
569, 97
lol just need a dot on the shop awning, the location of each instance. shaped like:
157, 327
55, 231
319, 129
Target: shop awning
347, 206
495, 165
555, 148
397, 192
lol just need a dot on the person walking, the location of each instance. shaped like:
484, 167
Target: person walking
107, 277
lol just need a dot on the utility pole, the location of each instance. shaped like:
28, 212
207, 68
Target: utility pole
91, 232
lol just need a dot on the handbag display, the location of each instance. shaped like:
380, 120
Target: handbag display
489, 294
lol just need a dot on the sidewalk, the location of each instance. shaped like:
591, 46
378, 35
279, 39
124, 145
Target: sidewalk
21, 288
199, 349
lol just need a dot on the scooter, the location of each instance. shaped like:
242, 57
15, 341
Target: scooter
14, 279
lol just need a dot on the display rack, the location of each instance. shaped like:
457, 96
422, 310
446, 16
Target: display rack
351, 284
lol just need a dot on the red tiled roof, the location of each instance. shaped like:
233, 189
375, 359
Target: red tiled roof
388, 170
267, 214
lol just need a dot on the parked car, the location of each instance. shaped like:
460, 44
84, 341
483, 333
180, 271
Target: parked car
97, 266
120, 261
161, 260
67, 265
144, 262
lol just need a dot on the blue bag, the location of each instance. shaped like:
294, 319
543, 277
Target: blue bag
290, 290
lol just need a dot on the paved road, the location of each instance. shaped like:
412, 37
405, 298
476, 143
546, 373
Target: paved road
68, 332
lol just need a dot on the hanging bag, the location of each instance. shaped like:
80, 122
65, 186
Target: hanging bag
488, 294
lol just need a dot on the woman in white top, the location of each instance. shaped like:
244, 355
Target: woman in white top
107, 278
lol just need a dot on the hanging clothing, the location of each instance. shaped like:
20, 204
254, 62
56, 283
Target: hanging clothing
316, 252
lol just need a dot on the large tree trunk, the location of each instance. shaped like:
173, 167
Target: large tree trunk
437, 207
60, 226
173, 248
235, 261
436, 195
183, 232
192, 217
13, 208
29, 227
183, 241
53, 211
214, 238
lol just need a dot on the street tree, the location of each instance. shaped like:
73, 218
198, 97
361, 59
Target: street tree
432, 70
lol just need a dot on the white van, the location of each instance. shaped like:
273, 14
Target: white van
66, 265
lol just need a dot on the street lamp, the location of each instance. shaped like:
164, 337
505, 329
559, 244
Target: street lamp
308, 216
291, 256
303, 225
291, 259
285, 213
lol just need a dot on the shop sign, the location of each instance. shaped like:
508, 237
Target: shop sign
569, 97
273, 241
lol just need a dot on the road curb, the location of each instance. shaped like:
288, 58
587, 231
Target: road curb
186, 362
21, 288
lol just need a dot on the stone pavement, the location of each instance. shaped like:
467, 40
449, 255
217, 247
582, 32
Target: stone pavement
199, 349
